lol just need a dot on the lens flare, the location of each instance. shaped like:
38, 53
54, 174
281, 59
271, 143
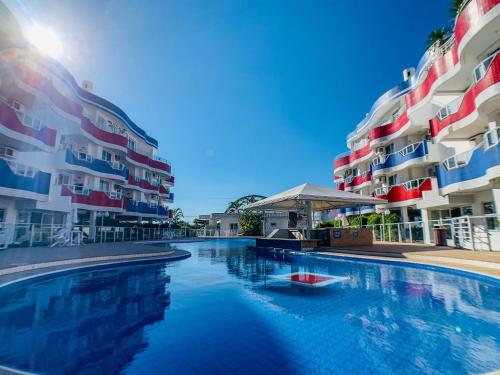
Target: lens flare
45, 40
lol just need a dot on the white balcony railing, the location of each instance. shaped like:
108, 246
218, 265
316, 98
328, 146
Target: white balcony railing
79, 189
84, 156
481, 69
410, 148
459, 160
491, 138
449, 108
20, 169
116, 165
115, 195
413, 184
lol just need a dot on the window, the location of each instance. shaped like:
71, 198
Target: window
62, 179
273, 225
393, 180
106, 156
131, 144
103, 185
389, 149
2, 215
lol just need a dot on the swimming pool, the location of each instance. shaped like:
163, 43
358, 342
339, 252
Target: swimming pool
224, 311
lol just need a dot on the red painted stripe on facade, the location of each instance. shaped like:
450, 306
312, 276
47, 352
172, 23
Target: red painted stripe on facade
9, 119
442, 66
468, 104
388, 129
95, 198
400, 194
470, 16
355, 155
358, 180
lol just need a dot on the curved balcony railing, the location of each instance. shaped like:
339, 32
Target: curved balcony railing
84, 160
147, 161
85, 196
472, 164
435, 63
384, 132
352, 157
17, 176
144, 208
144, 184
413, 151
487, 75
357, 181
405, 191
10, 120
43, 84
113, 139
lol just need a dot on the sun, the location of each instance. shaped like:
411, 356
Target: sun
45, 40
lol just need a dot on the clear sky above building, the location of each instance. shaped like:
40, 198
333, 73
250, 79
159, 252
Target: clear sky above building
244, 97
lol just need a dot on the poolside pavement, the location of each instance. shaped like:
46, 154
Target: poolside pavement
17, 263
485, 262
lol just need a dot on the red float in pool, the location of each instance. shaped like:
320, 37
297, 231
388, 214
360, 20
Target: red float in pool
310, 279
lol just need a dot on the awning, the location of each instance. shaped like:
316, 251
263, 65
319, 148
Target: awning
318, 197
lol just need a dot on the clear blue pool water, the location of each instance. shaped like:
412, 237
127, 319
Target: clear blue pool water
221, 312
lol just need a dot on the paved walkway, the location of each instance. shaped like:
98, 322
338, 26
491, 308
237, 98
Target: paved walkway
486, 262
16, 263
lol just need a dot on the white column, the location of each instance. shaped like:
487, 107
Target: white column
404, 214
425, 220
496, 199
93, 220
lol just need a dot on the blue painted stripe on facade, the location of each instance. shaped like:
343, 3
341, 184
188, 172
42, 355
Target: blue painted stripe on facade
480, 161
396, 158
95, 165
144, 208
39, 183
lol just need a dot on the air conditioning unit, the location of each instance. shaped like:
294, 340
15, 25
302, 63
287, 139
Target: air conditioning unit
380, 150
7, 152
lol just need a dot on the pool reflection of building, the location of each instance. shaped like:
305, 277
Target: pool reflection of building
385, 319
109, 311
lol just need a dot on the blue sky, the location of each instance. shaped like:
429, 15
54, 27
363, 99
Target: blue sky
250, 96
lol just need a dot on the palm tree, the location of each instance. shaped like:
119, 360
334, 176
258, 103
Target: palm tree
438, 36
178, 215
235, 206
456, 6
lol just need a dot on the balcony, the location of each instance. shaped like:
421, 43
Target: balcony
349, 211
144, 208
39, 83
458, 113
358, 182
346, 160
144, 184
98, 167
405, 192
411, 154
101, 136
146, 161
471, 169
87, 198
386, 132
37, 135
19, 180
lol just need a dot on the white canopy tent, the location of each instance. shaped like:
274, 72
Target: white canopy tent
314, 198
